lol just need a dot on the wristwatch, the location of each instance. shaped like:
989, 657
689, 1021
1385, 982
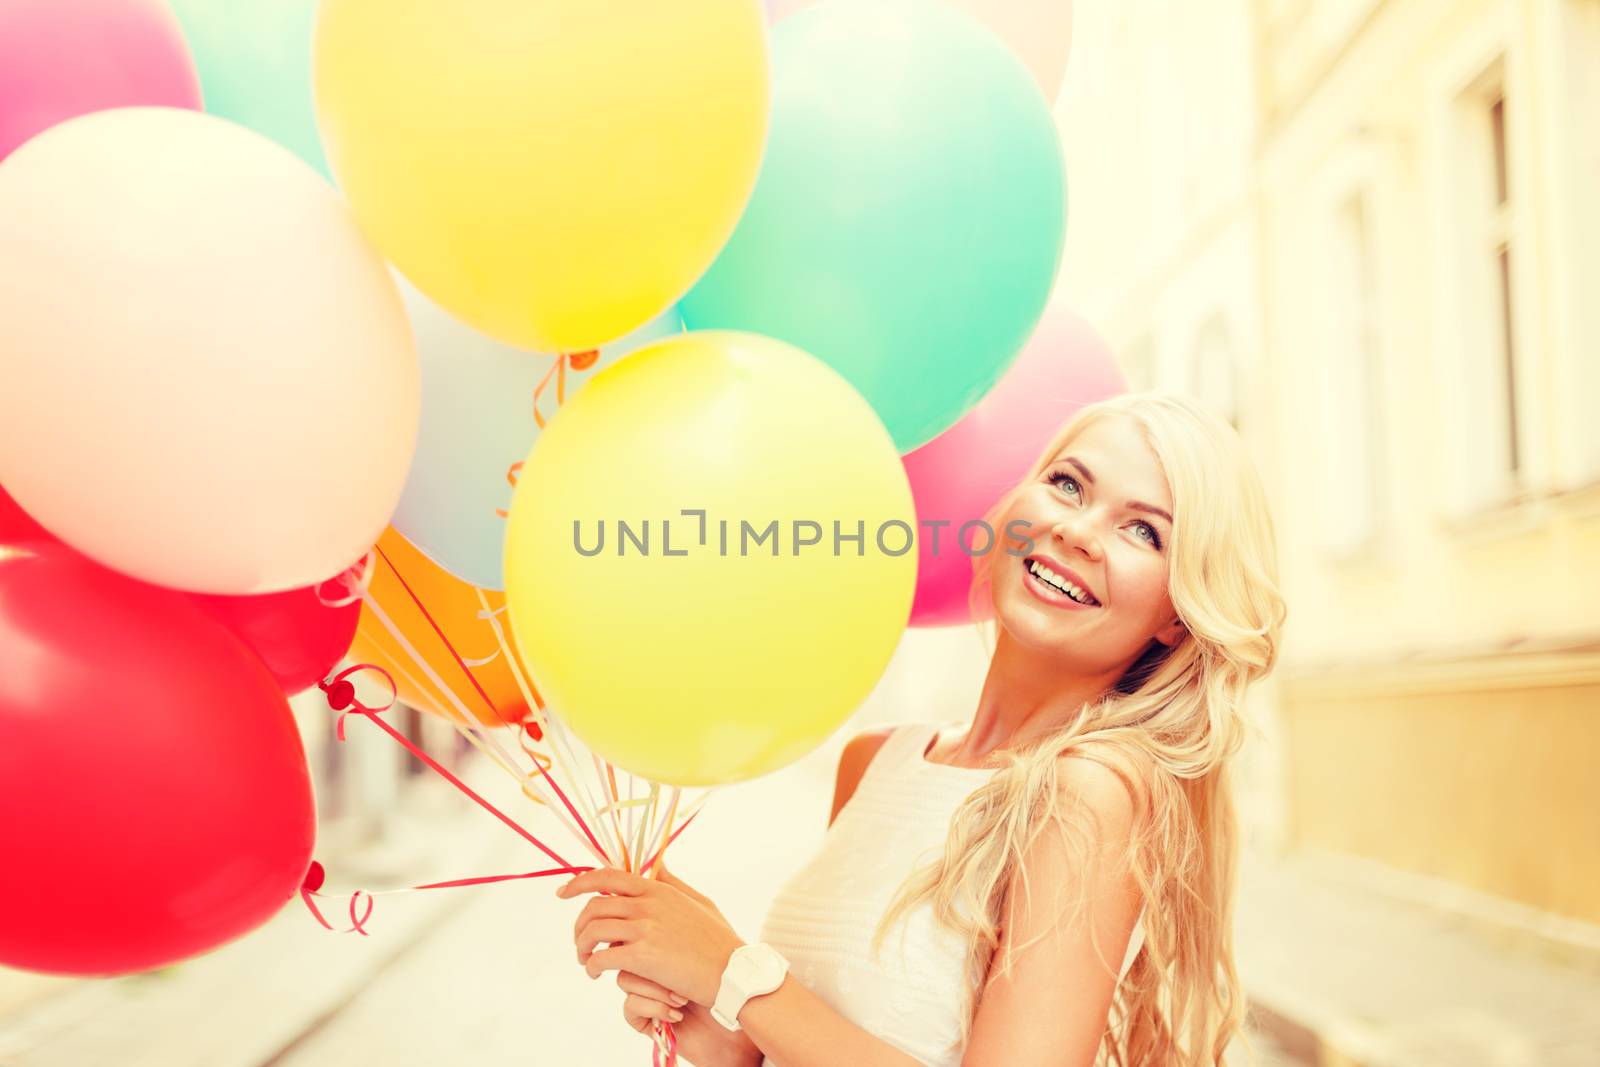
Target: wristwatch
752, 971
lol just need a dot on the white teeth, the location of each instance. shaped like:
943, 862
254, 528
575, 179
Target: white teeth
1046, 574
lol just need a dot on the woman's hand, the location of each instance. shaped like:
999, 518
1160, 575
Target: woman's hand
702, 1041
659, 929
647, 1003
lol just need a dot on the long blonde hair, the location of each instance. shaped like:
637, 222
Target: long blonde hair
1168, 728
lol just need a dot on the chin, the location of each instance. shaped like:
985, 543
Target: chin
1032, 624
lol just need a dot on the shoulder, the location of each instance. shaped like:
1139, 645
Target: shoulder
1067, 918
1087, 847
1087, 830
853, 764
1088, 784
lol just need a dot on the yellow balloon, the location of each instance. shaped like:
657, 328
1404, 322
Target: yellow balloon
699, 650
553, 172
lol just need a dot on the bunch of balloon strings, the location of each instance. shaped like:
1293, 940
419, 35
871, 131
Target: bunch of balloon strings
622, 820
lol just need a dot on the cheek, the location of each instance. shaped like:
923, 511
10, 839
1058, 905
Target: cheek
1141, 585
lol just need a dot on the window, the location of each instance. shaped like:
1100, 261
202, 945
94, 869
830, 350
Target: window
1482, 386
1497, 251
1352, 422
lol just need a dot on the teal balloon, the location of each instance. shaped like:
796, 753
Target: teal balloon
907, 223
255, 67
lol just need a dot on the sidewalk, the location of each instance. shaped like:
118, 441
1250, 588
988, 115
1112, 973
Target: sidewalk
1338, 977
240, 1005
483, 976
1345, 977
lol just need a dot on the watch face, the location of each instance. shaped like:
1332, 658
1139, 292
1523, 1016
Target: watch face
746, 970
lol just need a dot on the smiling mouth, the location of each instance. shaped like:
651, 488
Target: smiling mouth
1053, 581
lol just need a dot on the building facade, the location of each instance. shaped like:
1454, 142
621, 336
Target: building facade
1368, 232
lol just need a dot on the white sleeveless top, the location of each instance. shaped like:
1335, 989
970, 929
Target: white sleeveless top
823, 919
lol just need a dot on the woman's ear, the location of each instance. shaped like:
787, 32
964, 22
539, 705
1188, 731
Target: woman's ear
1171, 633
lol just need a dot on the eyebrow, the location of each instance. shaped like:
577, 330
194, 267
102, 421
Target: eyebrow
1134, 505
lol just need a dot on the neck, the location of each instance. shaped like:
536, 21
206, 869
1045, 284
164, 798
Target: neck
1021, 702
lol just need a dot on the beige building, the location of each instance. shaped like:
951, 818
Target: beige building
1369, 232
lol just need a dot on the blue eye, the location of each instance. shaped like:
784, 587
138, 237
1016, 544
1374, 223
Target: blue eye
1068, 484
1061, 476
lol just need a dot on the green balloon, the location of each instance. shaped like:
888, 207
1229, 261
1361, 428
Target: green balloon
255, 67
907, 223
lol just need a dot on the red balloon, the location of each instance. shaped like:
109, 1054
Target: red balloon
156, 795
16, 524
300, 634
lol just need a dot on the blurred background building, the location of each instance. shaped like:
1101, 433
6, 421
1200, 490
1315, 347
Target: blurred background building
1368, 233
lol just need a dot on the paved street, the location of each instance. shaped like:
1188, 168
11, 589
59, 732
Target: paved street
486, 975
482, 976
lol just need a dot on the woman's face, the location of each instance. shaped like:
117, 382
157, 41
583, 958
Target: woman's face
1099, 519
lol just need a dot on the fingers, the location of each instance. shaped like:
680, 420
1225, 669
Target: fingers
617, 958
605, 908
629, 982
606, 880
642, 1011
592, 934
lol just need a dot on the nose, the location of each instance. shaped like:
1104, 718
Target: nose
1075, 532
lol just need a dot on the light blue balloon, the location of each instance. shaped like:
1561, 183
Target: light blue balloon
254, 58
477, 422
907, 223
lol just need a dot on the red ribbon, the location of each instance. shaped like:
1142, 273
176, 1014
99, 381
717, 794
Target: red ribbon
341, 694
342, 698
316, 875
482, 693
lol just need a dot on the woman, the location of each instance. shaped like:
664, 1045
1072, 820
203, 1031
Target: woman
1085, 814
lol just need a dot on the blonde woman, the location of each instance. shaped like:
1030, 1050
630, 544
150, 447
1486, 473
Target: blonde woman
979, 886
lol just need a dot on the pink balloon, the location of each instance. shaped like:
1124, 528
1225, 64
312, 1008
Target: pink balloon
63, 58
1039, 31
962, 473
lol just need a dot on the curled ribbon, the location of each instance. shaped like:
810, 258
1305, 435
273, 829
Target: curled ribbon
341, 697
349, 585
340, 693
361, 901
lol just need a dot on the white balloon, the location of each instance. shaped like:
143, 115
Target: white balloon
208, 377
479, 399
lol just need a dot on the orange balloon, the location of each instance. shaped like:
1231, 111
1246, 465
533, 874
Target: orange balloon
404, 583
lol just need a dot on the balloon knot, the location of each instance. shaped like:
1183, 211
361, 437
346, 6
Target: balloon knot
315, 876
341, 694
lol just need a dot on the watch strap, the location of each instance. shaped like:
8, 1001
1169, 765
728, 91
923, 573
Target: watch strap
734, 991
